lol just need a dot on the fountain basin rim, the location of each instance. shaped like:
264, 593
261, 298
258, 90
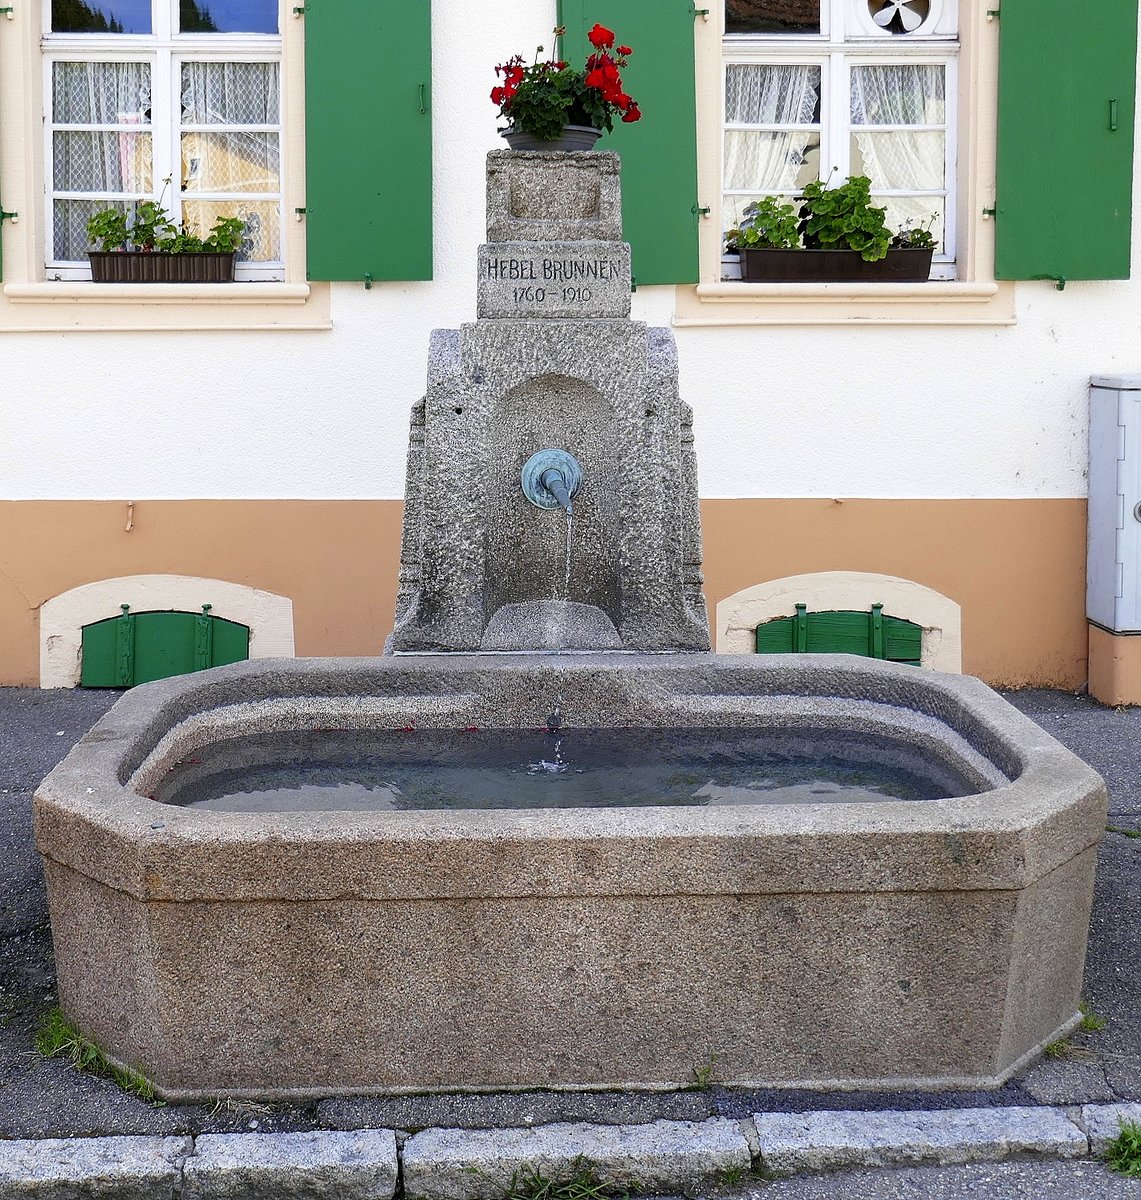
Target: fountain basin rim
88, 819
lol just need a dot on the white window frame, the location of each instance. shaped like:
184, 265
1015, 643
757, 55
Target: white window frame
836, 49
165, 50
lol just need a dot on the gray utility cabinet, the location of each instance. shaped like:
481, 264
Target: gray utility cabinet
1113, 569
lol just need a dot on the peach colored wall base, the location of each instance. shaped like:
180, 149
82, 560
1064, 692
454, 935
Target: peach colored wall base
1017, 567
337, 561
1114, 667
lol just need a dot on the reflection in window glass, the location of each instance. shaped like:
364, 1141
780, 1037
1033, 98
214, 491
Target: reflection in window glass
101, 16
772, 16
262, 219
227, 16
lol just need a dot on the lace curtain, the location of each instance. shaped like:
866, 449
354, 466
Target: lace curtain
768, 161
116, 161
908, 94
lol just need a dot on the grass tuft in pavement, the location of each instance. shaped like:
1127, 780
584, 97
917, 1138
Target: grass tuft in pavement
579, 1181
1124, 1153
57, 1037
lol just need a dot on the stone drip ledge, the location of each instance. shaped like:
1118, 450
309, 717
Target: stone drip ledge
457, 1164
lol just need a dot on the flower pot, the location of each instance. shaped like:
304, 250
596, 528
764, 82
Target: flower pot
834, 266
575, 137
140, 266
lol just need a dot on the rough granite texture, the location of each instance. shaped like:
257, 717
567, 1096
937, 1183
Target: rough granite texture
109, 1168
551, 625
1102, 1122
551, 363
829, 1141
293, 1166
455, 1164
540, 197
622, 948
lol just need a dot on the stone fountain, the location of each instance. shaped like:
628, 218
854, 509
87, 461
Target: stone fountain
283, 954
553, 362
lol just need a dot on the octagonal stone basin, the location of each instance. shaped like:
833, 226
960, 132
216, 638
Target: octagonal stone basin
932, 944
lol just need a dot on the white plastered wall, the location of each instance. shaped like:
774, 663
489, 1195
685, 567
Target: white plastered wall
92, 408
269, 617
941, 647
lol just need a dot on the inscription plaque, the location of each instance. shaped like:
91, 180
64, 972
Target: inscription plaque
561, 280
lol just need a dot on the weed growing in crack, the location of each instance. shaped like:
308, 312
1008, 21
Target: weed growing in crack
1091, 1021
1123, 1154
58, 1038
578, 1181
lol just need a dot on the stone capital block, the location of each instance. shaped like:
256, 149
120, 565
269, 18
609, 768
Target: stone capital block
538, 197
564, 280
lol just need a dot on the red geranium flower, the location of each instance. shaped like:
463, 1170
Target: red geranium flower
625, 51
601, 37
633, 113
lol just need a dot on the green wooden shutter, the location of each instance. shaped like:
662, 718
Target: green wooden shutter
659, 152
1065, 139
368, 139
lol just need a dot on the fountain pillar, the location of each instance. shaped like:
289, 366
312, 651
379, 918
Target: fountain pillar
552, 361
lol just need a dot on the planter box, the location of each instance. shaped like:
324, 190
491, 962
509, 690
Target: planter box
834, 266
137, 266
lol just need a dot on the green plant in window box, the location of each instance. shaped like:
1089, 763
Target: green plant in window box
837, 235
150, 248
767, 224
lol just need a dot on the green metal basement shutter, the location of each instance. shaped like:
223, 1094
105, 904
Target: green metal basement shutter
1065, 139
368, 139
139, 647
870, 634
659, 152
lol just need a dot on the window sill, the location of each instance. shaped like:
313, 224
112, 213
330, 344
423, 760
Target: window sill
933, 303
190, 306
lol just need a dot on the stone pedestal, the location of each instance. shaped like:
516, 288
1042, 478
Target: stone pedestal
553, 361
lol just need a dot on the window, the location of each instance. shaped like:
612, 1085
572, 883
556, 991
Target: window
818, 89
177, 100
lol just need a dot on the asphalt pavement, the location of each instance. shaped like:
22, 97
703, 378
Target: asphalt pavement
46, 1098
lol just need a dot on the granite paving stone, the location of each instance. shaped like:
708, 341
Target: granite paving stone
108, 1168
827, 1141
293, 1166
1102, 1123
454, 1164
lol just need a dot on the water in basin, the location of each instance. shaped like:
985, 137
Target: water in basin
346, 770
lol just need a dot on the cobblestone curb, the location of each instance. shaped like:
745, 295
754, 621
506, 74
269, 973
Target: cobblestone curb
463, 1164
827, 1141
1102, 1123
456, 1164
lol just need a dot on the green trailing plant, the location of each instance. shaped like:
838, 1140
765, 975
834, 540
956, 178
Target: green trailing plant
844, 218
827, 218
57, 1037
914, 236
107, 229
768, 223
578, 1181
1123, 1154
150, 229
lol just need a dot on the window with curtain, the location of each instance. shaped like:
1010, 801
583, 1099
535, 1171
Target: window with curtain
171, 100
819, 89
